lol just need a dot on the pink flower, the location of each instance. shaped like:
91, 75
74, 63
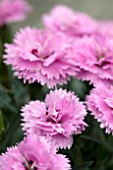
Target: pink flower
94, 58
100, 103
61, 116
64, 19
40, 55
13, 10
35, 154
105, 28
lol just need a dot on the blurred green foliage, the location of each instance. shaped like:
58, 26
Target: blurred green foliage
92, 150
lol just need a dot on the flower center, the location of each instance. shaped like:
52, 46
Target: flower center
102, 52
35, 52
101, 55
29, 165
100, 61
53, 116
44, 55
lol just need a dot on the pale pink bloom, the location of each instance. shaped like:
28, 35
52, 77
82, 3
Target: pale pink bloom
94, 58
105, 28
100, 103
40, 56
13, 10
34, 154
61, 116
64, 19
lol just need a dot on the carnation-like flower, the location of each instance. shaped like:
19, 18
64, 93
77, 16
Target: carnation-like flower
61, 116
13, 10
33, 154
64, 19
94, 58
100, 103
105, 28
40, 56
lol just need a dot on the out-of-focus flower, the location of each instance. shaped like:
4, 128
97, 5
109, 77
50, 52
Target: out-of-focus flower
94, 58
64, 19
105, 28
13, 10
33, 154
61, 116
42, 56
100, 103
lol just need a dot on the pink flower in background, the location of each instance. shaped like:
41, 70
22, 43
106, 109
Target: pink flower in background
13, 10
64, 19
100, 103
105, 28
61, 116
34, 154
94, 58
40, 56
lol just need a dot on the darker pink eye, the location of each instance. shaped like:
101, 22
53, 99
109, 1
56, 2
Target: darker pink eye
34, 52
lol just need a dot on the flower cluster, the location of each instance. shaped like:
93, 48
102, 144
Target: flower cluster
92, 51
13, 10
72, 45
67, 47
45, 126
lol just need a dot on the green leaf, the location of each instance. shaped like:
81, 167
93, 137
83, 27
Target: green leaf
5, 34
1, 48
5, 100
17, 136
81, 88
2, 126
14, 124
3, 71
20, 92
99, 141
83, 166
76, 155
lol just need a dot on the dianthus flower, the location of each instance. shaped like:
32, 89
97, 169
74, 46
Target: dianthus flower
105, 28
13, 10
61, 116
100, 103
94, 58
40, 56
64, 19
33, 154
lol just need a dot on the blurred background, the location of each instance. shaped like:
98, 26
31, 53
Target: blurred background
100, 9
